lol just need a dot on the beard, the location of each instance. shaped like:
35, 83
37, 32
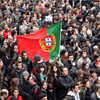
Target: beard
85, 57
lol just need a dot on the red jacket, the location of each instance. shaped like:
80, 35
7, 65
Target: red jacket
18, 98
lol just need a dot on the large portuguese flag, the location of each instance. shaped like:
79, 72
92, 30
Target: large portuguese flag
45, 42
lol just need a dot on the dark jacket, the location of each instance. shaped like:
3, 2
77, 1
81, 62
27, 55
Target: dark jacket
88, 94
92, 65
71, 68
94, 97
82, 94
15, 74
24, 89
65, 83
32, 95
28, 63
51, 95
56, 85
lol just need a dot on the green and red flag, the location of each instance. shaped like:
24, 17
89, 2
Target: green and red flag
45, 42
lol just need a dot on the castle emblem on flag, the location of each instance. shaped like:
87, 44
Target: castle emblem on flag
48, 43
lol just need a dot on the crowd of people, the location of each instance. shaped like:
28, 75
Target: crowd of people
74, 74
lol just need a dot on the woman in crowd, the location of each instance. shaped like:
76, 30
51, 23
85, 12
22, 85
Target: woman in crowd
41, 73
55, 72
85, 67
14, 83
15, 93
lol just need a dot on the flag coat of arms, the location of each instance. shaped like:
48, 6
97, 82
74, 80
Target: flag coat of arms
45, 42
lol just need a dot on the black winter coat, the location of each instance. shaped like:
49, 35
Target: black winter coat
29, 65
32, 94
24, 89
51, 95
92, 65
65, 83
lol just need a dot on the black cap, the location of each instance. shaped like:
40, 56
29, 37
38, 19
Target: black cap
37, 57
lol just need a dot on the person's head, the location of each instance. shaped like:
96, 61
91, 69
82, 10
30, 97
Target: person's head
79, 82
83, 8
32, 80
55, 69
70, 57
89, 33
19, 66
6, 45
64, 53
1, 64
87, 84
16, 48
64, 71
44, 98
23, 5
25, 75
37, 58
24, 55
6, 92
98, 25
84, 54
42, 68
97, 88
74, 31
15, 92
14, 83
97, 64
98, 80
79, 73
87, 42
85, 66
80, 18
65, 18
93, 72
9, 38
16, 9
43, 85
68, 97
3, 94
50, 87
74, 87
6, 27
19, 58
24, 22
95, 53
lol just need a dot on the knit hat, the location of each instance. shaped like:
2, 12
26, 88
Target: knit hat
25, 73
37, 57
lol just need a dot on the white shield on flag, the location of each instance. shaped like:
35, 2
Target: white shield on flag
48, 41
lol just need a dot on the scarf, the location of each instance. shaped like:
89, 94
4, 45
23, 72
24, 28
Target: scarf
43, 77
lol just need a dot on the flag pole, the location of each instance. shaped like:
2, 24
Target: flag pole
60, 38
